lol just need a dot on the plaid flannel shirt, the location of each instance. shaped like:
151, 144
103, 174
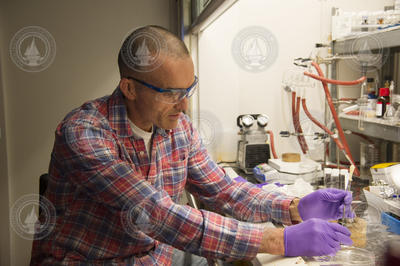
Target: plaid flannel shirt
100, 172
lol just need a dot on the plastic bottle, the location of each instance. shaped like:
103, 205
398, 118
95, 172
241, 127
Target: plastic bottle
382, 101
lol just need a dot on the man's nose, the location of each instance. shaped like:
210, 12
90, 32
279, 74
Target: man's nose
182, 105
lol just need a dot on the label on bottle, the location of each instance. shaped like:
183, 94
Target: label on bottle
378, 112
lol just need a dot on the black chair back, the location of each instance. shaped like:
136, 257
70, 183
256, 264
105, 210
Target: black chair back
43, 181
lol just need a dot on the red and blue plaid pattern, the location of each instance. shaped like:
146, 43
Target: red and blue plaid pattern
99, 171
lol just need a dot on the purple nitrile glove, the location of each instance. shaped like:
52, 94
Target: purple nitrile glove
326, 204
262, 184
315, 237
239, 179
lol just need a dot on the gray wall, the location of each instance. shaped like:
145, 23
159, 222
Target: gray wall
88, 35
4, 188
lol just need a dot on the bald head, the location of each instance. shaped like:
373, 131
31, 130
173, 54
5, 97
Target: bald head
147, 48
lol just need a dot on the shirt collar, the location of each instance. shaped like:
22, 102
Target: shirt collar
118, 117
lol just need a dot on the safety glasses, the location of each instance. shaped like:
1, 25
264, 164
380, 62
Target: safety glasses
170, 96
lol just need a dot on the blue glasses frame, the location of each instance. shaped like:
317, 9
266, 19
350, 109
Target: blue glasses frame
188, 91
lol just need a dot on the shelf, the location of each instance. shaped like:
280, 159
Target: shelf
379, 39
373, 127
360, 47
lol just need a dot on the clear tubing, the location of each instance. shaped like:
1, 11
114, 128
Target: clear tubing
362, 115
363, 102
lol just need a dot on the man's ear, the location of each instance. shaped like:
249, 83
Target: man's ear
127, 88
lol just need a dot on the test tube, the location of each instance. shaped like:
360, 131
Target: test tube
343, 179
327, 177
335, 178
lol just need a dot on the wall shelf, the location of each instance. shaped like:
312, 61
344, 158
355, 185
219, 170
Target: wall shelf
379, 39
376, 42
373, 127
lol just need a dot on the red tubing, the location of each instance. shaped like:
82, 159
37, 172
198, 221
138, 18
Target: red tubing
296, 122
347, 99
271, 140
324, 128
300, 129
293, 105
370, 141
333, 111
347, 163
334, 166
336, 82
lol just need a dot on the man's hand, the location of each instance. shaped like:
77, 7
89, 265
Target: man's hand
326, 204
315, 237
273, 241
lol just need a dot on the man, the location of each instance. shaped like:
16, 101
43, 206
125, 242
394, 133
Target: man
121, 163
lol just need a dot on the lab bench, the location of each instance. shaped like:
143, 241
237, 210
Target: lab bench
360, 207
